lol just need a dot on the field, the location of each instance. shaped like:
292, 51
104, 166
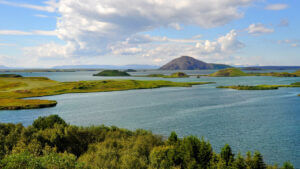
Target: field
12, 90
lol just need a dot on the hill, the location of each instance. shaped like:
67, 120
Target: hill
112, 73
190, 63
229, 72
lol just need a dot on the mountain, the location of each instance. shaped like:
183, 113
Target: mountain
3, 67
189, 63
106, 67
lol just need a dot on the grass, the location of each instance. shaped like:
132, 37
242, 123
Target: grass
112, 73
260, 87
174, 75
229, 72
13, 90
235, 72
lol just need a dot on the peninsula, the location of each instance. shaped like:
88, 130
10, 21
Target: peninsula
235, 72
12, 90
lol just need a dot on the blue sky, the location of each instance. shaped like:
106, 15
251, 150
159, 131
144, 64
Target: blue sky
38, 33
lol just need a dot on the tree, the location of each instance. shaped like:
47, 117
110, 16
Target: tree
227, 155
173, 138
239, 162
287, 165
43, 123
258, 162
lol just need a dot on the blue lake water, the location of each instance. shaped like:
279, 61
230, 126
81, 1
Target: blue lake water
268, 121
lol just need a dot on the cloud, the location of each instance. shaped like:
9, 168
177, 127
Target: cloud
92, 26
145, 49
50, 6
7, 44
276, 7
258, 29
291, 42
35, 32
41, 16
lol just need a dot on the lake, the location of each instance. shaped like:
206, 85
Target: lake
268, 121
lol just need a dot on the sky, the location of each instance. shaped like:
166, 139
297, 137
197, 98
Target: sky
43, 34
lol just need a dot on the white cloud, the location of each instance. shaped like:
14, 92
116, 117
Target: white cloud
35, 32
258, 29
50, 50
50, 5
108, 29
7, 44
291, 42
41, 16
276, 7
93, 25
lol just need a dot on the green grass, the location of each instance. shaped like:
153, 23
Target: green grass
235, 72
174, 75
112, 73
260, 87
229, 72
12, 90
177, 75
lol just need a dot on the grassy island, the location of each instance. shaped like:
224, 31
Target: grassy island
260, 87
235, 72
51, 143
229, 72
112, 73
10, 75
12, 90
173, 75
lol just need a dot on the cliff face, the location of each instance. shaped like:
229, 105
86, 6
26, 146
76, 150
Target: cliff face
189, 63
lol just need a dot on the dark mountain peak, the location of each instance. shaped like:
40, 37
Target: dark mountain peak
190, 63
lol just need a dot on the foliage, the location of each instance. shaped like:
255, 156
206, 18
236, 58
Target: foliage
50, 143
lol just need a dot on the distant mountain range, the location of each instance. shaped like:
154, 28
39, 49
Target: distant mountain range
106, 67
190, 63
3, 67
271, 67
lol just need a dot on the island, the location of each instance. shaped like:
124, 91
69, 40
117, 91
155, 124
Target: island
173, 75
260, 87
52, 143
13, 90
10, 75
229, 72
112, 73
236, 72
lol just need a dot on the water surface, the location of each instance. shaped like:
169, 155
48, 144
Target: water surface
267, 121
